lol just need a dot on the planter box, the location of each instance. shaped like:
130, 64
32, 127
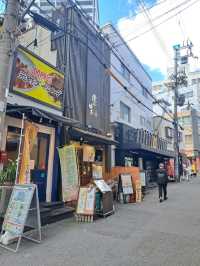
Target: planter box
5, 193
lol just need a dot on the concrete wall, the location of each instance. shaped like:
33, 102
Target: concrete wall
43, 49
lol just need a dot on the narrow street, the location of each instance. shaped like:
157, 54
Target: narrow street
149, 233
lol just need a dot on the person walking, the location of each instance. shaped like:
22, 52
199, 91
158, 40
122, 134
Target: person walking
162, 181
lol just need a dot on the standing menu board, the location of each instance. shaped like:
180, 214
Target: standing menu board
18, 209
138, 191
127, 185
102, 186
86, 201
143, 179
69, 169
23, 210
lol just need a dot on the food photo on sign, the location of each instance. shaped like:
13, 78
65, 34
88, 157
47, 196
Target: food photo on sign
36, 79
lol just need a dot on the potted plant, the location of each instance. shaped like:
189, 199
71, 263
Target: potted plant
7, 180
8, 174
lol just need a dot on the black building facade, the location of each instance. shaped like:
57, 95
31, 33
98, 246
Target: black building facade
135, 144
83, 55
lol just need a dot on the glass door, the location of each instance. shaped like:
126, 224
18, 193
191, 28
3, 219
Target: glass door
39, 157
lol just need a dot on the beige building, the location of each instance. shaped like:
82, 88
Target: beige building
42, 47
164, 129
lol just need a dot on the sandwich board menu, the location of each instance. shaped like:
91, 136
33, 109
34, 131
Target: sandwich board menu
86, 201
102, 186
23, 204
17, 210
127, 185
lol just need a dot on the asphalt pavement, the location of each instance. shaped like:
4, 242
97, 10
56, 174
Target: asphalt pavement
149, 233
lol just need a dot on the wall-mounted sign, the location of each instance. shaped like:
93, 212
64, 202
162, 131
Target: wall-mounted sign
93, 105
88, 153
36, 79
97, 171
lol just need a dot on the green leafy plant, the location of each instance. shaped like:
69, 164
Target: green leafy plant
8, 174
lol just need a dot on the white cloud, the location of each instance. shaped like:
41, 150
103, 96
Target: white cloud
155, 47
130, 2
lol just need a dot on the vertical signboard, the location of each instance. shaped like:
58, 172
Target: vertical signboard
69, 170
30, 135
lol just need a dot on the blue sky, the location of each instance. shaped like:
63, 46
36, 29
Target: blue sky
113, 10
2, 6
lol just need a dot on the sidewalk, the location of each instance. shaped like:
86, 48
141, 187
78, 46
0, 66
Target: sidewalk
150, 233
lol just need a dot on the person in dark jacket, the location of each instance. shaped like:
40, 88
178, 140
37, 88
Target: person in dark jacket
162, 181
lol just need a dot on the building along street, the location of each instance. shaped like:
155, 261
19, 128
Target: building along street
143, 234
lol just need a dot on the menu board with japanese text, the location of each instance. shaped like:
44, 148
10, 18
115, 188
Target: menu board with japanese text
102, 186
86, 201
69, 170
127, 185
18, 209
36, 79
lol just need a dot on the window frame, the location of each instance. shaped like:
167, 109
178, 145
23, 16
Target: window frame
124, 106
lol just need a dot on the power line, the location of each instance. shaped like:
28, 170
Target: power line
106, 67
116, 69
140, 12
131, 72
156, 34
165, 13
157, 25
124, 87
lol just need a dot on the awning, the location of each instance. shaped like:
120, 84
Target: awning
148, 150
29, 111
91, 137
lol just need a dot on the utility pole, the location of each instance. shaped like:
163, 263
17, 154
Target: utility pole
7, 46
178, 81
176, 131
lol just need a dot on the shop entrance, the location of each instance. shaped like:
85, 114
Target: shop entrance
41, 155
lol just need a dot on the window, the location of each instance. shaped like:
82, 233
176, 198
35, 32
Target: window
188, 94
148, 124
186, 120
44, 4
125, 72
194, 81
142, 121
125, 112
184, 109
188, 139
86, 3
169, 132
12, 142
180, 135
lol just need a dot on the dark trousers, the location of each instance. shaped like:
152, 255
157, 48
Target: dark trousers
162, 189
